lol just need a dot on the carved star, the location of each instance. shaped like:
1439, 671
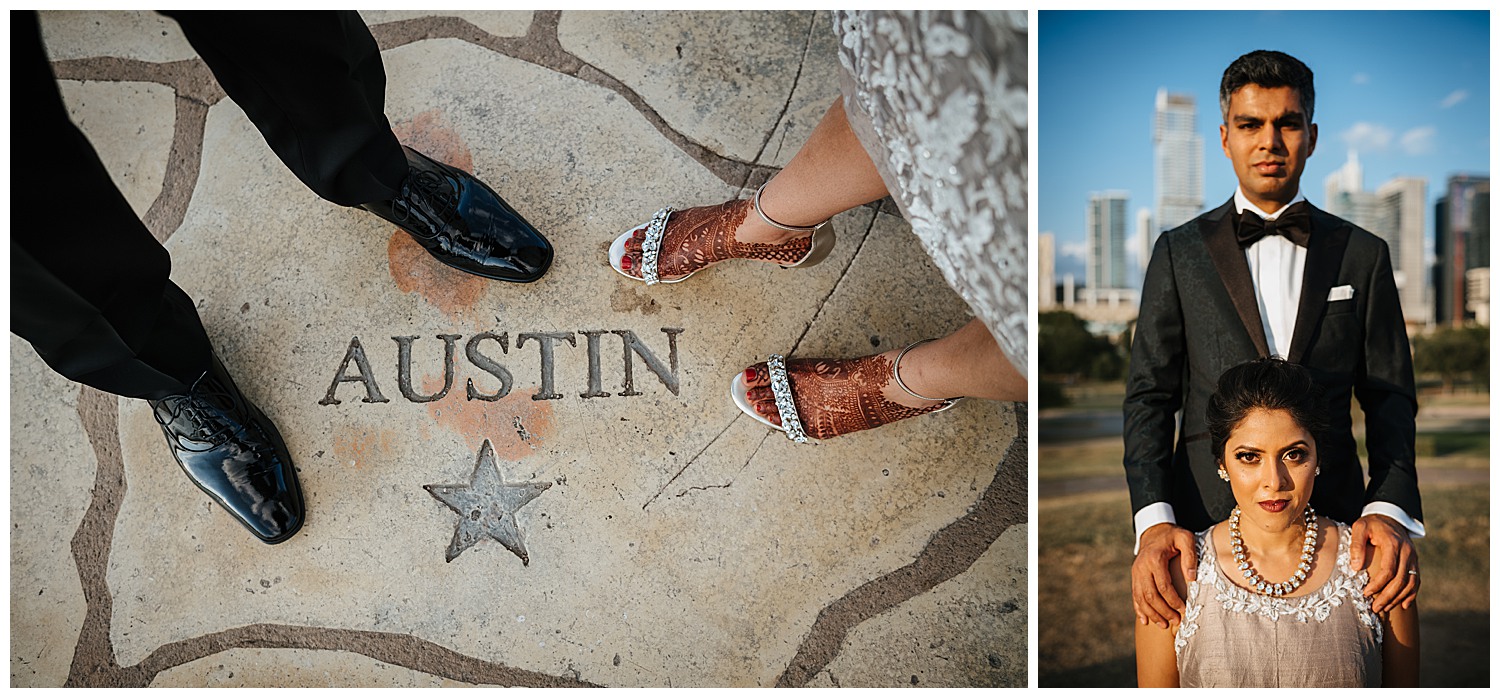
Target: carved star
487, 506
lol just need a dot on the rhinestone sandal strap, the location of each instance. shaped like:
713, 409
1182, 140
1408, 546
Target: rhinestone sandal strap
781, 389
651, 246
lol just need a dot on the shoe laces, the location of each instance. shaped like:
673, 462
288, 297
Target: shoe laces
426, 194
191, 424
202, 409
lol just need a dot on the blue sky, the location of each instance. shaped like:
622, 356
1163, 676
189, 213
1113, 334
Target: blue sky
1410, 91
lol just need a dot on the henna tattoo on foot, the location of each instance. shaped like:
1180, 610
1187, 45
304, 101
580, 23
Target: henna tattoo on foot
701, 237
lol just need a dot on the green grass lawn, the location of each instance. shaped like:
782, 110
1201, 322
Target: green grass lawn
1083, 458
1083, 577
1095, 396
1102, 456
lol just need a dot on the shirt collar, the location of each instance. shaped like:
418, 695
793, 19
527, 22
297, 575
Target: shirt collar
1242, 203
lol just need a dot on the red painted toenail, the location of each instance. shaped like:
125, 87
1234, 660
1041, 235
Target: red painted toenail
625, 262
749, 374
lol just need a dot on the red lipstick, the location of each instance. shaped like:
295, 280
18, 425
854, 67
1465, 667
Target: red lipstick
1274, 505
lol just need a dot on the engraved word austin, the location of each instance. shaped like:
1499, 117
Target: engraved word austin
475, 348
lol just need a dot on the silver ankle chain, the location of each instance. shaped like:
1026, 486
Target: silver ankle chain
774, 224
896, 373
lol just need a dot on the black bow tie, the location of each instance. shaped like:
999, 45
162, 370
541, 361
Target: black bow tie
1294, 224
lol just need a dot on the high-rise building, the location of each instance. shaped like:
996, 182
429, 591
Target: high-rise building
1479, 228
1394, 212
1145, 238
1478, 303
1345, 195
1400, 210
1179, 161
1105, 223
1046, 283
1462, 243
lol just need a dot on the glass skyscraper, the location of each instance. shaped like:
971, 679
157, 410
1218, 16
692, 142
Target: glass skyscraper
1179, 161
1106, 228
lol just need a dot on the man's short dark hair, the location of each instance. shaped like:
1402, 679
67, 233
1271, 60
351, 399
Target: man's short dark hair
1267, 69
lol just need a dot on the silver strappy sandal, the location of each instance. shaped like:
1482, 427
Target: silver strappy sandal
823, 240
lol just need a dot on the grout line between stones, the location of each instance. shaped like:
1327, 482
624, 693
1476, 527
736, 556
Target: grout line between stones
94, 661
392, 648
184, 164
950, 552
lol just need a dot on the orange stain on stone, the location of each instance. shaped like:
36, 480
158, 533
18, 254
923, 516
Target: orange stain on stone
515, 424
363, 447
431, 133
414, 270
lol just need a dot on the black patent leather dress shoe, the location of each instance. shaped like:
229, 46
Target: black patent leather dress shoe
232, 452
465, 224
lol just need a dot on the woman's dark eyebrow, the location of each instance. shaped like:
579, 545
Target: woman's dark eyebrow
1249, 448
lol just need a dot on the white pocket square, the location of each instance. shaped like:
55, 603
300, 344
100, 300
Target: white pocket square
1340, 293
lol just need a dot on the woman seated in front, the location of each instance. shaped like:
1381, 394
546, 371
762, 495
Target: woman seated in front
1275, 602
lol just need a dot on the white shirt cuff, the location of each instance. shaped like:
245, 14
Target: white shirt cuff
1414, 528
1161, 512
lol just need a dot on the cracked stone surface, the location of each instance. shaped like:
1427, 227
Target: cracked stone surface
50, 478
138, 34
721, 83
679, 543
919, 635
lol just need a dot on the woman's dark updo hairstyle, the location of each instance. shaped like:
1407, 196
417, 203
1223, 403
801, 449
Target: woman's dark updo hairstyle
1268, 384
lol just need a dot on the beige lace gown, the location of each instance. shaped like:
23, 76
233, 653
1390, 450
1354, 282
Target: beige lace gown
1233, 637
938, 100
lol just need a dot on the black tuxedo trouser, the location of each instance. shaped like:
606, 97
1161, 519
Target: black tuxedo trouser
90, 286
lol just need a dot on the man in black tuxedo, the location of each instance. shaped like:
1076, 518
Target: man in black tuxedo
90, 288
1268, 274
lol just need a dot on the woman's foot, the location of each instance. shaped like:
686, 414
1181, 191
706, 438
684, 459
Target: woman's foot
839, 396
698, 238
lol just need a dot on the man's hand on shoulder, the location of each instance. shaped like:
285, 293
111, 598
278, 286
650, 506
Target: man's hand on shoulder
1382, 544
1152, 594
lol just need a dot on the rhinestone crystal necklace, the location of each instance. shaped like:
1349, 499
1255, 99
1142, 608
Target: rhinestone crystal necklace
1309, 545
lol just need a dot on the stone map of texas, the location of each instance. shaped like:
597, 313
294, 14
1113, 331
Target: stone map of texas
636, 529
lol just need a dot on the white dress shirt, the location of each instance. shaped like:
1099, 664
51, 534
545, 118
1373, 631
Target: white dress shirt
1276, 266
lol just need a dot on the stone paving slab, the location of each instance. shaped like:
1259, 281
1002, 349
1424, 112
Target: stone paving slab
674, 541
722, 79
923, 641
137, 156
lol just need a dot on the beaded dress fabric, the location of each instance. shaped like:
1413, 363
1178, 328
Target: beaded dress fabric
938, 99
1232, 637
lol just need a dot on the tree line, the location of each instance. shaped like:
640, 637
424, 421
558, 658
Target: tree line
1068, 353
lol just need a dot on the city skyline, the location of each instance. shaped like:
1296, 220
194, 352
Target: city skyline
1422, 111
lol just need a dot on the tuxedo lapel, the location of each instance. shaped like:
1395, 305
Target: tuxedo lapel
1325, 255
1229, 261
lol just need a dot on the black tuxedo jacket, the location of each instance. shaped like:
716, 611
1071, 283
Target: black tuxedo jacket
1199, 317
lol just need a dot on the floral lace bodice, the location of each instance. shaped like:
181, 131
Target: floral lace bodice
1333, 637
